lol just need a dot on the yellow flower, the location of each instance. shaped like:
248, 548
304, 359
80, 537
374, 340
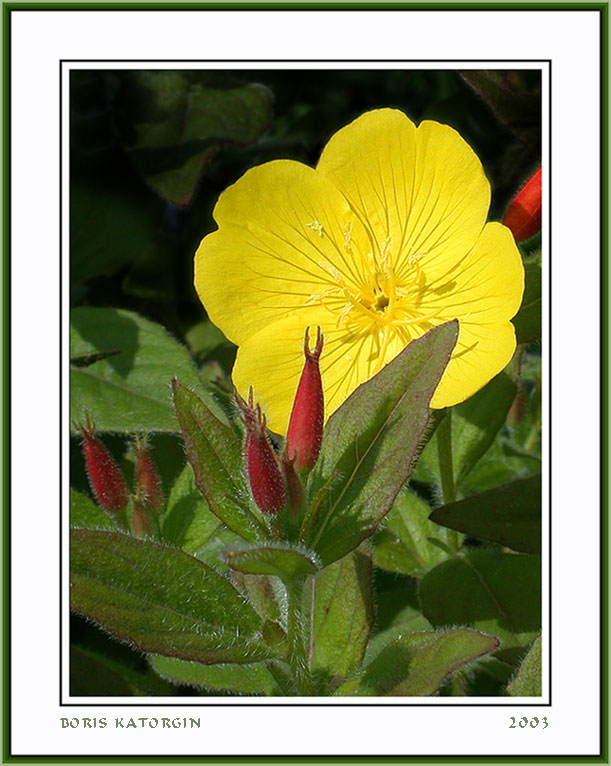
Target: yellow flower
386, 238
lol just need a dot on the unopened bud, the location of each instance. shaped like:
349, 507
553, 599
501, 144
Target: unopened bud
105, 477
523, 215
262, 467
306, 423
148, 482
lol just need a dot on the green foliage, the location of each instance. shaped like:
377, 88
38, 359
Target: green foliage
215, 454
416, 665
342, 616
408, 542
189, 524
528, 320
475, 425
498, 593
88, 515
160, 599
527, 681
369, 444
273, 559
249, 678
174, 122
510, 515
120, 368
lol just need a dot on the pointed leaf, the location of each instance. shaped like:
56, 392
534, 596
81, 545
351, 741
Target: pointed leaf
273, 559
499, 593
416, 665
342, 616
527, 681
215, 453
161, 600
250, 678
407, 542
121, 366
369, 445
510, 515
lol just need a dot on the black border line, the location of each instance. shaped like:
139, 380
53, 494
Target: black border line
62, 704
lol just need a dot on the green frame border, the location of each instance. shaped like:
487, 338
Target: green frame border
287, 5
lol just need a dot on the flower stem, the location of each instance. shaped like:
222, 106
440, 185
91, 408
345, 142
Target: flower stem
297, 639
446, 470
446, 464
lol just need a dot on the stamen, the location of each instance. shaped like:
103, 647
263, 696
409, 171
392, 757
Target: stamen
348, 237
316, 226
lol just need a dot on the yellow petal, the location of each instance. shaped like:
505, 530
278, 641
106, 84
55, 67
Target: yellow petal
481, 352
483, 291
282, 234
485, 286
423, 187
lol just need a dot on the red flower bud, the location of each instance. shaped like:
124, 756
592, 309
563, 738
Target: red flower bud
304, 434
105, 477
523, 215
147, 479
264, 474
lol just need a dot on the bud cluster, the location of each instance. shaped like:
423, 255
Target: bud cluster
110, 489
276, 482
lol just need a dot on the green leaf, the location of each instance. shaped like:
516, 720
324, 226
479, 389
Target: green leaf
407, 620
250, 678
408, 542
342, 616
88, 515
215, 453
121, 368
527, 681
273, 559
369, 446
416, 665
475, 424
528, 320
498, 593
510, 515
177, 120
113, 225
161, 599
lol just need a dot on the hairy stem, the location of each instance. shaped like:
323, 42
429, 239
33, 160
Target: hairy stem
446, 469
297, 627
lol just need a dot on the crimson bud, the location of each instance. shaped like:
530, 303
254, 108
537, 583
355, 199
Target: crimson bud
304, 434
147, 478
262, 468
105, 477
523, 215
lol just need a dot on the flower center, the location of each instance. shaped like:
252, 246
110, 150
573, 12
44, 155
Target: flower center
371, 294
